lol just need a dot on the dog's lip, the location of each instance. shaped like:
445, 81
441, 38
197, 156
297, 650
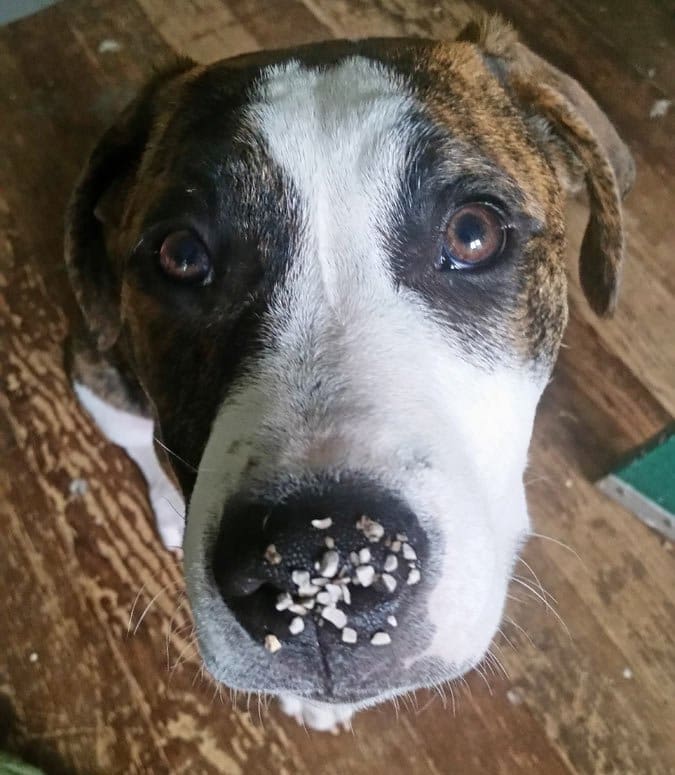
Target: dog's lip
364, 697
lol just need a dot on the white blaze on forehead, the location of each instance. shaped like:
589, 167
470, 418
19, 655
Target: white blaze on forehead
339, 135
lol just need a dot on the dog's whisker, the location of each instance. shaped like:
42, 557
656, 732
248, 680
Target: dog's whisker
489, 665
198, 677
536, 480
133, 607
522, 630
174, 454
498, 663
466, 685
548, 606
432, 698
510, 596
507, 639
439, 688
560, 543
137, 598
180, 660
542, 591
152, 602
180, 513
170, 632
407, 702
261, 707
535, 577
394, 700
481, 672
543, 596
215, 693
452, 700
495, 645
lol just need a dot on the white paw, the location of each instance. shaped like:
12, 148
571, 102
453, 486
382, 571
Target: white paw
169, 509
317, 715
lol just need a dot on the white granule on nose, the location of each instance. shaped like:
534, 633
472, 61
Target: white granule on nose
389, 582
365, 575
335, 592
272, 643
365, 556
334, 616
307, 590
329, 564
272, 555
324, 590
300, 578
284, 601
372, 530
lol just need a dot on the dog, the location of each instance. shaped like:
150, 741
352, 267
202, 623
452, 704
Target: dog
324, 289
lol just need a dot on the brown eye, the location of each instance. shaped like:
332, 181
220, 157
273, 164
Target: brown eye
475, 234
183, 256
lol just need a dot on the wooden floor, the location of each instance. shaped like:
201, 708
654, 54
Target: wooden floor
86, 686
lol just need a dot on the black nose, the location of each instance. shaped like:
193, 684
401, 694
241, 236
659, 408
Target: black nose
337, 561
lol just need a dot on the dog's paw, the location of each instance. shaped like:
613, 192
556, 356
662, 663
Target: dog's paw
318, 715
169, 510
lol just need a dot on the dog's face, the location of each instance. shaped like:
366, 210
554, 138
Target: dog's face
338, 274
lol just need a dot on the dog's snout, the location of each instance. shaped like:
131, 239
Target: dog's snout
334, 564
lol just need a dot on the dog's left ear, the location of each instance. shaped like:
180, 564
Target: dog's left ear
96, 206
580, 141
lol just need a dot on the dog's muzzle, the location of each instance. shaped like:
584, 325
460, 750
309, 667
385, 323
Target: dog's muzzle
333, 567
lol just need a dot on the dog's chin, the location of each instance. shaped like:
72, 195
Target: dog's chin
353, 692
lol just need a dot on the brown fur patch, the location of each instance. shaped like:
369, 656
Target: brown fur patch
462, 94
580, 142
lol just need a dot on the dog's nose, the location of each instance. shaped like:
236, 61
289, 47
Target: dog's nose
338, 562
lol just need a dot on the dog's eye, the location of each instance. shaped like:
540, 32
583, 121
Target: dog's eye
183, 256
475, 234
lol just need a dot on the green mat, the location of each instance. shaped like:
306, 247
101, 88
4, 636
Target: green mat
11, 766
645, 483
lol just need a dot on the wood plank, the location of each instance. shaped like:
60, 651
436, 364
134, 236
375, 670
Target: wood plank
96, 700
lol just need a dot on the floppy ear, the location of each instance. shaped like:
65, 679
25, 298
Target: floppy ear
581, 143
97, 203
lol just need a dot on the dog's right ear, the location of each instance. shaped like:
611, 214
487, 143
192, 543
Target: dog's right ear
582, 145
97, 202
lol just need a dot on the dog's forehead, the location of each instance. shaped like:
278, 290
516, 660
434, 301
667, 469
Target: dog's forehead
366, 87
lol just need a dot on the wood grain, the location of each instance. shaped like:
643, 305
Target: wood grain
98, 670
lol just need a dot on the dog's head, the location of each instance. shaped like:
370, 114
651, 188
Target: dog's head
338, 273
